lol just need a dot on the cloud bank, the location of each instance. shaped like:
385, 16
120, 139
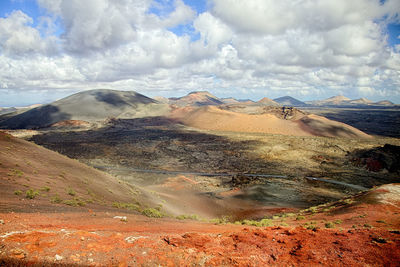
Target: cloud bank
307, 49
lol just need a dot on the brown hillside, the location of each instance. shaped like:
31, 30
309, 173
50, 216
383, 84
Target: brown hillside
58, 180
268, 102
202, 98
299, 124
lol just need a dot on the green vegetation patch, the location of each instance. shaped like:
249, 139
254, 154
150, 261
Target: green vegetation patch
15, 172
90, 193
31, 194
312, 227
329, 225
71, 192
262, 223
56, 199
288, 215
129, 206
75, 202
151, 212
18, 192
187, 217
348, 201
45, 189
328, 209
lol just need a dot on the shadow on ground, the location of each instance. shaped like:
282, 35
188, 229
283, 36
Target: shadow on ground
383, 122
156, 143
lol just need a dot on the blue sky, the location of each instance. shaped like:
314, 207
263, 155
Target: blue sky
29, 7
245, 49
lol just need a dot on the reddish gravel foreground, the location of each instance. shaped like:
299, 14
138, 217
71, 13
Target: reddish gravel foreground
99, 239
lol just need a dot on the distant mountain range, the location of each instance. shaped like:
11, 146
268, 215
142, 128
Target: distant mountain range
100, 104
345, 101
204, 98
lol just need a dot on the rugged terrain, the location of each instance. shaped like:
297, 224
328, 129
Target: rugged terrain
57, 211
186, 183
358, 231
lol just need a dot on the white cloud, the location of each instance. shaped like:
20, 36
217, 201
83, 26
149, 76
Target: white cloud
275, 17
18, 38
181, 14
95, 25
262, 47
39, 71
212, 31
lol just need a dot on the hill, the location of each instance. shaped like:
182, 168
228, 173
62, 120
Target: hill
361, 101
347, 102
161, 99
287, 122
33, 177
246, 101
201, 98
230, 100
334, 100
384, 103
268, 102
90, 106
289, 101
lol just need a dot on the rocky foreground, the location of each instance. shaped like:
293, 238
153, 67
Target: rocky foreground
358, 231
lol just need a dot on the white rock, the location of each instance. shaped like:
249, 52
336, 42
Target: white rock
132, 239
58, 257
122, 218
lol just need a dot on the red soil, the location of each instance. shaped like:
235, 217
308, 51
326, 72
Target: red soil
366, 235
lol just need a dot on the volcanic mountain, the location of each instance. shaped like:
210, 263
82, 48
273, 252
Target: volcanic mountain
331, 101
230, 100
286, 121
384, 103
345, 101
268, 102
246, 101
360, 101
90, 106
289, 101
201, 98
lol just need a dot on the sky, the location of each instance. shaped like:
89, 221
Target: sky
308, 49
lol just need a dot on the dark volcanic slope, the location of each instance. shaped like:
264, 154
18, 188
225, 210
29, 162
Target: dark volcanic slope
90, 105
289, 101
